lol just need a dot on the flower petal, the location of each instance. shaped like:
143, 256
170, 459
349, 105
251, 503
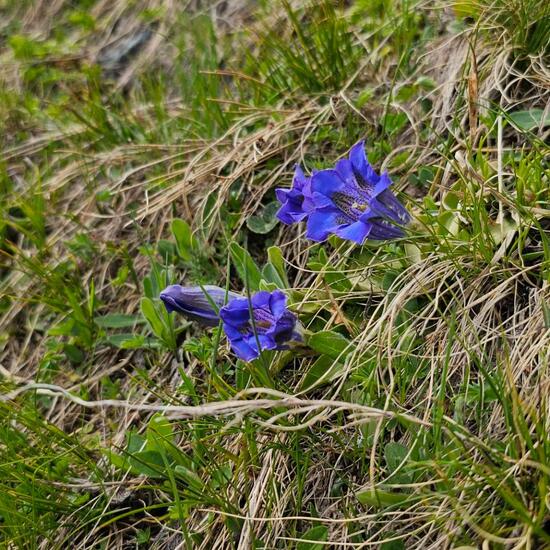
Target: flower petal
321, 223
345, 170
282, 194
383, 183
289, 213
356, 232
232, 332
261, 299
320, 201
327, 182
383, 230
283, 329
365, 174
277, 303
266, 341
295, 202
300, 179
398, 213
236, 312
243, 350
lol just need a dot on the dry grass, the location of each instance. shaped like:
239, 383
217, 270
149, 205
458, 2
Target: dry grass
299, 456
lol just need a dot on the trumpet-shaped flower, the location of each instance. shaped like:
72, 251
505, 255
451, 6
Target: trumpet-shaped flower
263, 323
353, 202
296, 202
192, 302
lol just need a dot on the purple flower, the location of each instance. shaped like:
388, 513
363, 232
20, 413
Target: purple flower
296, 202
192, 302
353, 202
273, 326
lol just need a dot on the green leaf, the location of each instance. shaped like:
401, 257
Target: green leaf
120, 340
167, 250
393, 545
276, 258
271, 275
395, 122
331, 343
148, 463
414, 254
135, 443
151, 315
449, 223
364, 97
324, 370
137, 342
266, 285
148, 287
63, 329
499, 231
317, 533
143, 536
332, 275
426, 83
336, 279
117, 320
451, 200
265, 221
189, 476
405, 93
380, 499
530, 119
73, 353
185, 241
546, 314
245, 266
82, 19
395, 454
159, 433
118, 461
466, 8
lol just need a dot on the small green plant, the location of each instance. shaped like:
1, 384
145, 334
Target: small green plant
412, 414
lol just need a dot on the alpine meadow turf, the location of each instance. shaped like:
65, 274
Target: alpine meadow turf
402, 397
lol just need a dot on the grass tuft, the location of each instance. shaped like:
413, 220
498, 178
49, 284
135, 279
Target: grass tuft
142, 144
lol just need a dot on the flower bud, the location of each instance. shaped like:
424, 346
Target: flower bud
192, 302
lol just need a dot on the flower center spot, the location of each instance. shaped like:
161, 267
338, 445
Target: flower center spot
359, 206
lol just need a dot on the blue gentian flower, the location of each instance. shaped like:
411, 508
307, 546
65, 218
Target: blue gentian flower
273, 326
353, 202
192, 302
296, 202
